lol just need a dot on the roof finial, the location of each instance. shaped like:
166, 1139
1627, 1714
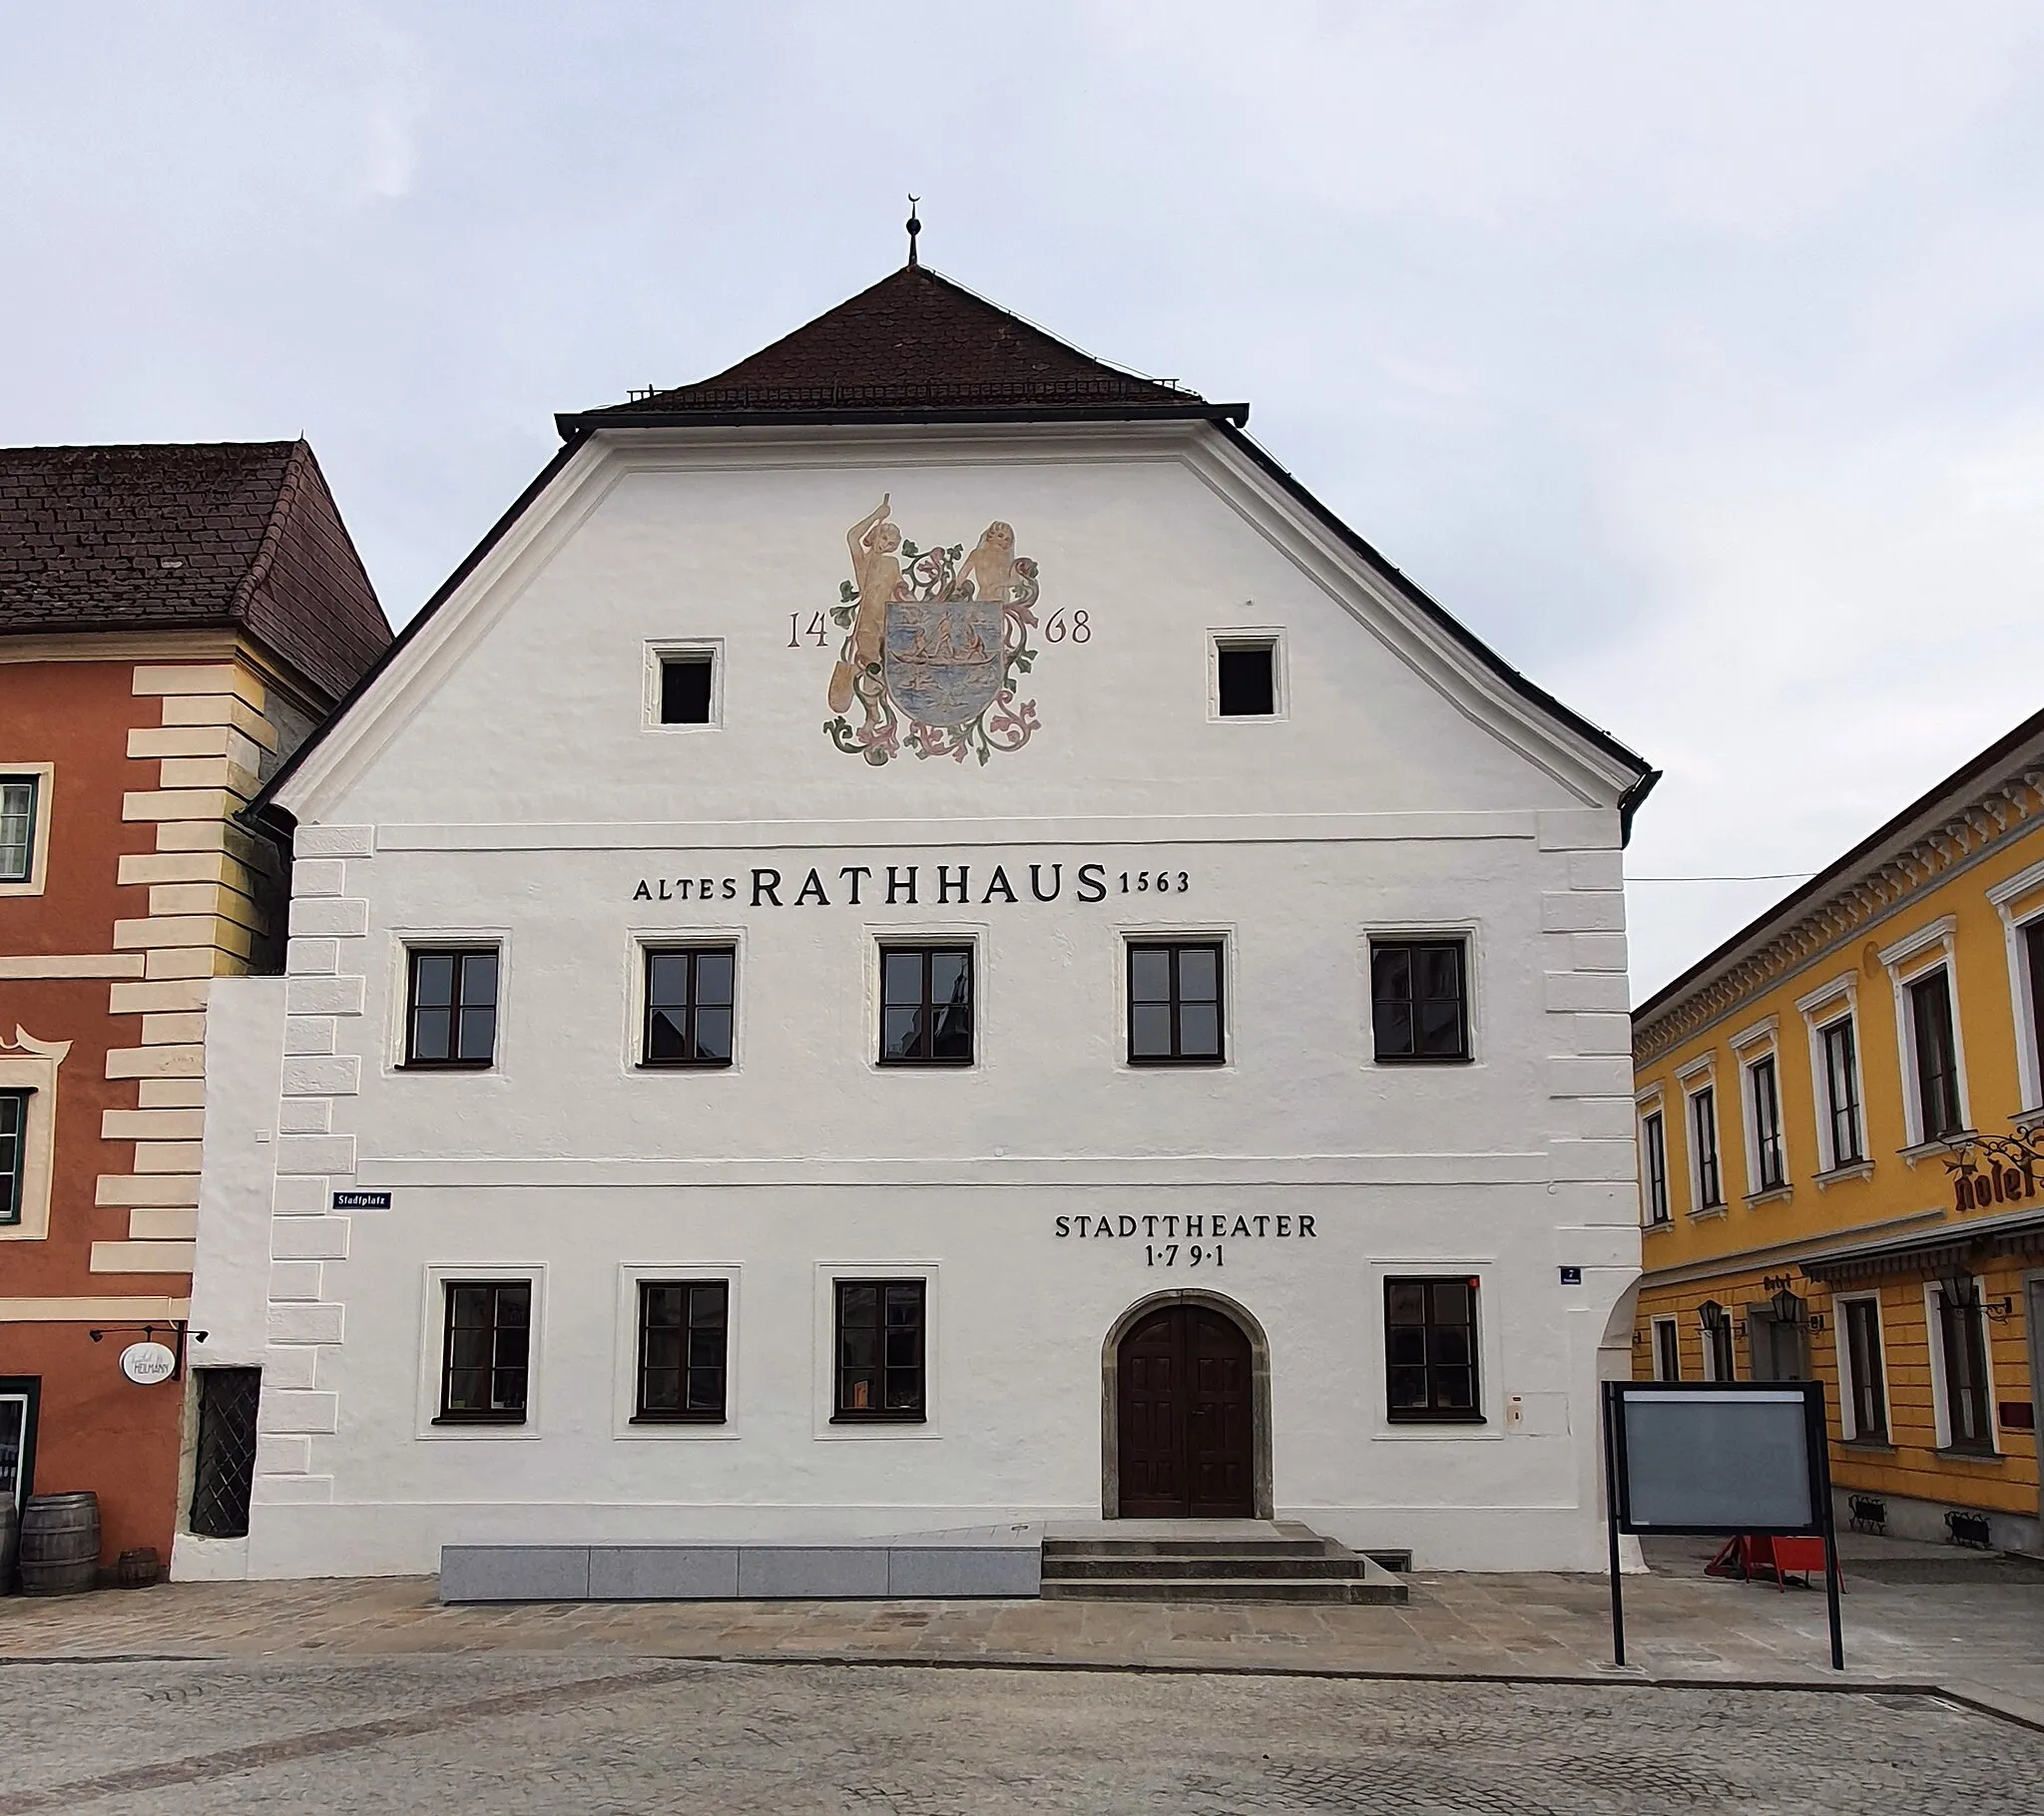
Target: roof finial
914, 227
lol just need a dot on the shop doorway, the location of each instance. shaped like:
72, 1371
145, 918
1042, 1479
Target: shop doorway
1186, 1434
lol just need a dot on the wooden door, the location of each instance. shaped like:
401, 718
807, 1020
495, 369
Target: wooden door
1185, 1410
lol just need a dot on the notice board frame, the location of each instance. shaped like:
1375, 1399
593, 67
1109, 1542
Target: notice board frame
1618, 1510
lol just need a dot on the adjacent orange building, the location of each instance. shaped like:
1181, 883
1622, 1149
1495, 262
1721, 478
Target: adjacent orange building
174, 621
1841, 1121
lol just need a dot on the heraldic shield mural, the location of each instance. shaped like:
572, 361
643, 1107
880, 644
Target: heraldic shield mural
935, 643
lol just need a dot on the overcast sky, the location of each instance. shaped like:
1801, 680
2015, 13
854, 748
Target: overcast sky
1689, 353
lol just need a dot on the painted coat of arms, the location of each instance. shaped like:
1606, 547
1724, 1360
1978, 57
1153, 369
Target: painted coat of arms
935, 643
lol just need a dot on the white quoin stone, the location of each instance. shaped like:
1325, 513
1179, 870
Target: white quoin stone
508, 772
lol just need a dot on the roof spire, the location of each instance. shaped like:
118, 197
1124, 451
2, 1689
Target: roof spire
914, 227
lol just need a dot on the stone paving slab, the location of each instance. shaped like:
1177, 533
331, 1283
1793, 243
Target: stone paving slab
517, 1735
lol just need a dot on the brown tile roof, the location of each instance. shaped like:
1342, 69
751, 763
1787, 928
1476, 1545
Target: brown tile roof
914, 342
181, 536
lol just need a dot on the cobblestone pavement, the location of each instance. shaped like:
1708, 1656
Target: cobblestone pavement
1981, 1638
509, 1733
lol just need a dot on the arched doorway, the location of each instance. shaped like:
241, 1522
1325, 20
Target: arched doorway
1186, 1388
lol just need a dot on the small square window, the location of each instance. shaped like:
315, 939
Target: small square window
1431, 1351
488, 1352
1175, 1004
690, 997
881, 1361
1419, 1006
684, 1329
17, 829
927, 1006
686, 692
451, 1012
1247, 679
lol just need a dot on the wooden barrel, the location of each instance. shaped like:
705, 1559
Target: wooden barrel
10, 1532
60, 1544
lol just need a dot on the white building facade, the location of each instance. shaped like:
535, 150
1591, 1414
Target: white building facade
959, 956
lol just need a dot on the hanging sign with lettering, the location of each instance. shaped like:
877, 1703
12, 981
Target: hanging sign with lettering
147, 1363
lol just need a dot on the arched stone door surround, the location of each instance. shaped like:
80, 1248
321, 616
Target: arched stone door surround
1260, 1382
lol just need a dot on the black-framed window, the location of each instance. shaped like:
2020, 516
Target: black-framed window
1654, 1159
223, 1463
13, 1152
1841, 1091
1175, 1006
686, 687
1430, 1350
927, 1006
17, 829
487, 1356
19, 1398
1869, 1378
1247, 679
1420, 1008
451, 1006
690, 996
1666, 1350
881, 1362
1720, 1358
1703, 1136
1937, 1054
683, 1349
1765, 1090
1962, 1334
2033, 948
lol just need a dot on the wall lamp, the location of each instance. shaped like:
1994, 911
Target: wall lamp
1962, 1293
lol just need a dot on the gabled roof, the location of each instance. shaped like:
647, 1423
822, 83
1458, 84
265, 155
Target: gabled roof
913, 345
180, 537
918, 348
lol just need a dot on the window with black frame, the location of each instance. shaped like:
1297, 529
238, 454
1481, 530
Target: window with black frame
927, 1006
13, 1152
17, 829
1937, 1056
1666, 1350
690, 998
1842, 1093
452, 1008
1969, 1417
881, 1362
1431, 1351
1863, 1362
1702, 1134
2033, 951
1653, 1155
684, 1336
224, 1460
1419, 1010
487, 1356
1174, 1002
1765, 1092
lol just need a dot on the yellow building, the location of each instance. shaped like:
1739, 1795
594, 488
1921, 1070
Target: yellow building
1841, 1158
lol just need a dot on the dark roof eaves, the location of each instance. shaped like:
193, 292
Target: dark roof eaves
1968, 773
1645, 775
614, 417
264, 802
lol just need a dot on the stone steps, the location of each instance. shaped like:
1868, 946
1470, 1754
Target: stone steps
1282, 1563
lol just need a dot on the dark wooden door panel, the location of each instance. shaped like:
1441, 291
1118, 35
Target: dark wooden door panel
1185, 1417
